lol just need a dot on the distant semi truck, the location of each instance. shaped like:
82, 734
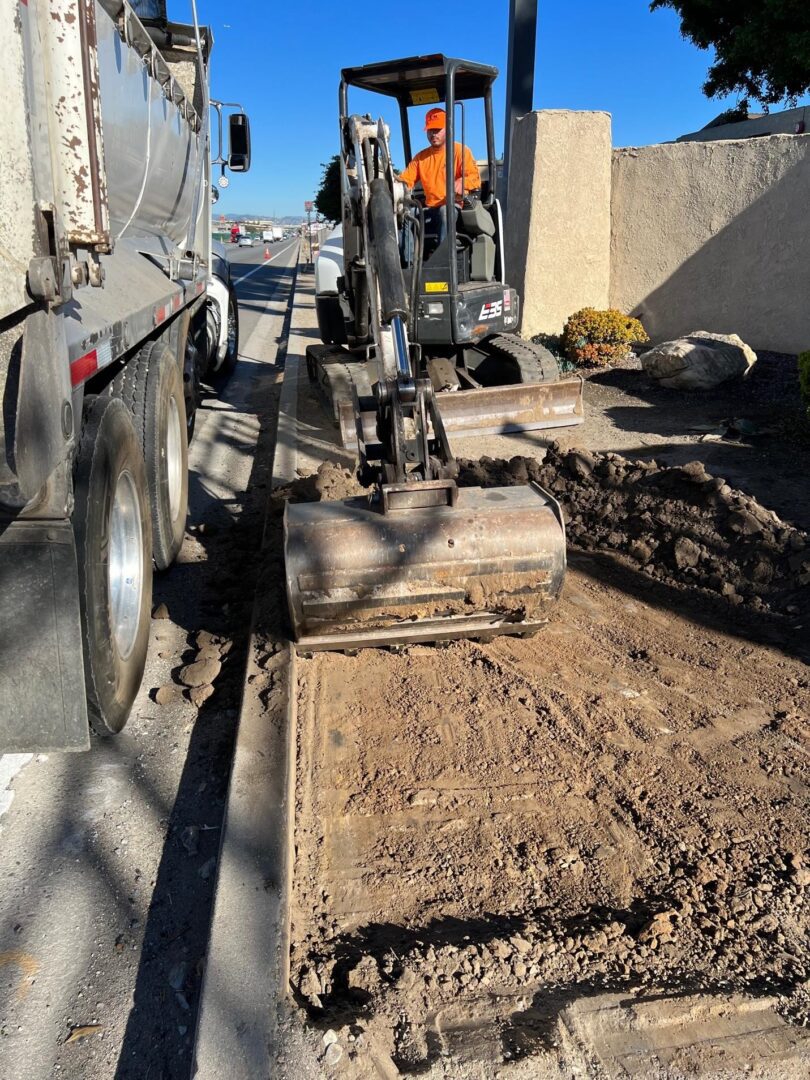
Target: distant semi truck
113, 304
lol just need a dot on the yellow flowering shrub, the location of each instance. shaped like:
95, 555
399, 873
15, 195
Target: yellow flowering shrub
600, 337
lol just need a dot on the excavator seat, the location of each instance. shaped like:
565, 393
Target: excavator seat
476, 222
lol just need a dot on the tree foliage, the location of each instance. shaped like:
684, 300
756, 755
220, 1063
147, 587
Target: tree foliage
327, 200
762, 47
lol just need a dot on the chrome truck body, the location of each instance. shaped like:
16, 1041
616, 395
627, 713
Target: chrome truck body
111, 306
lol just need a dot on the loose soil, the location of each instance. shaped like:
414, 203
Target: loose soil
489, 837
585, 852
618, 804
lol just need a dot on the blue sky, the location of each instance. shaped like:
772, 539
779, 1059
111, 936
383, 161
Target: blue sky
282, 61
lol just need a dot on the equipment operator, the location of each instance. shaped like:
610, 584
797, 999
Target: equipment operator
429, 167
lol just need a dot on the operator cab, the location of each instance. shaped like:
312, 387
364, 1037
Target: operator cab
470, 257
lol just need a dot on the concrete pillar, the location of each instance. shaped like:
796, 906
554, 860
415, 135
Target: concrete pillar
558, 220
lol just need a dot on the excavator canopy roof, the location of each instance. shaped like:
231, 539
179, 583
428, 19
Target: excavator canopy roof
420, 80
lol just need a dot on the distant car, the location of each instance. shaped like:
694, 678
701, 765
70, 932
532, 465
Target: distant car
245, 241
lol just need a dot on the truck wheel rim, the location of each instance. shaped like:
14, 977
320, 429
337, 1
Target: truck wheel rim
231, 328
174, 459
125, 568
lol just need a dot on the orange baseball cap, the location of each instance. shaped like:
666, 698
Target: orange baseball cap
435, 118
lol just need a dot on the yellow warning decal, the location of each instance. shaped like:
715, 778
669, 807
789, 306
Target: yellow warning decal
424, 97
436, 286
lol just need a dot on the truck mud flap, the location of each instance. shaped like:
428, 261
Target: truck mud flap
490, 410
42, 697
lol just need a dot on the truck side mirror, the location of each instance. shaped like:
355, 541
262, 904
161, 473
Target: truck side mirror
238, 142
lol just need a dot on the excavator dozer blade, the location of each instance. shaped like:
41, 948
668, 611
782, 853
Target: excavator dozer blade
490, 564
489, 410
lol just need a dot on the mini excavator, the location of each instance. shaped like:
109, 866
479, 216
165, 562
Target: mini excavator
420, 558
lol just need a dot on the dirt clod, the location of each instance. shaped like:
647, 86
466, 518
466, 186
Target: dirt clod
165, 695
200, 672
198, 695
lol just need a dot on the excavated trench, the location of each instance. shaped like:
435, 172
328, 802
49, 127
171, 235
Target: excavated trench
488, 836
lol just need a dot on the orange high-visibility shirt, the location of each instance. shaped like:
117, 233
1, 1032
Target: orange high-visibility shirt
429, 167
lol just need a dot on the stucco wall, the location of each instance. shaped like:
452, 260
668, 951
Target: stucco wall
715, 236
775, 123
558, 218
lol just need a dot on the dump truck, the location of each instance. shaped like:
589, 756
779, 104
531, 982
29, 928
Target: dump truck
113, 305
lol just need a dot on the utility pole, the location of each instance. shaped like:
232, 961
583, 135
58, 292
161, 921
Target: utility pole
519, 74
308, 208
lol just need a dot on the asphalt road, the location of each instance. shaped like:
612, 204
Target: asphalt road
108, 859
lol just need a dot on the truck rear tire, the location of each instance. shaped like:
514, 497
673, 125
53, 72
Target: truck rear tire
111, 523
152, 389
231, 332
192, 386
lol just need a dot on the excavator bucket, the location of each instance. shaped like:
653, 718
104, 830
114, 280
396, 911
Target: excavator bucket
417, 566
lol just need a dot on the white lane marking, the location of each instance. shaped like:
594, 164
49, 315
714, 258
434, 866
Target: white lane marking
263, 329
262, 265
10, 766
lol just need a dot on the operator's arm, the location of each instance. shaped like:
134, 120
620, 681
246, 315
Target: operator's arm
472, 177
409, 175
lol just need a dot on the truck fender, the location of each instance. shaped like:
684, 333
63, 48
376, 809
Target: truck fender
42, 434
218, 294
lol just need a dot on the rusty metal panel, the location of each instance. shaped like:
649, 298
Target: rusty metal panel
68, 29
18, 234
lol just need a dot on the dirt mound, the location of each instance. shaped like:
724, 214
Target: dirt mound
679, 524
330, 482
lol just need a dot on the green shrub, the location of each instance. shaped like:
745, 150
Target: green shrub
600, 337
804, 378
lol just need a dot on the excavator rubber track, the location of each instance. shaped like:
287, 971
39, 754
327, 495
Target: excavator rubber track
534, 362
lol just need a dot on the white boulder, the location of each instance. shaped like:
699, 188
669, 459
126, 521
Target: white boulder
698, 361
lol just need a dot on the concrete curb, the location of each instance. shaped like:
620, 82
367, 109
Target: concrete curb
285, 458
247, 964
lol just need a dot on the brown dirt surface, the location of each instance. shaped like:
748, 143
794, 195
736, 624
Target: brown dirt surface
617, 804
502, 848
